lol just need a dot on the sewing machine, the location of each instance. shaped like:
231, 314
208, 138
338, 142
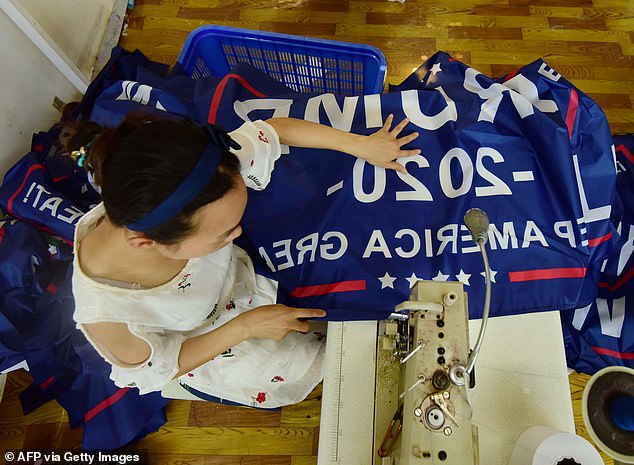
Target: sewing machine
521, 381
421, 408
398, 392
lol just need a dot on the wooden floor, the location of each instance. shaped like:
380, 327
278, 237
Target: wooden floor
201, 433
590, 42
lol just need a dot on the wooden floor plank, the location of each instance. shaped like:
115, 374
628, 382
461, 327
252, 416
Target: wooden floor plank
305, 414
597, 24
304, 460
418, 8
12, 437
53, 436
620, 24
558, 11
299, 16
230, 440
212, 414
200, 459
178, 413
586, 3
155, 9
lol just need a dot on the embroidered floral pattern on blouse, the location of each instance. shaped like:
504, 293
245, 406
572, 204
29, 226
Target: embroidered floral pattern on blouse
212, 313
320, 336
277, 379
184, 284
227, 354
261, 397
231, 305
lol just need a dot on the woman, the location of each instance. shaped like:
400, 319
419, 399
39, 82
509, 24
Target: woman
160, 290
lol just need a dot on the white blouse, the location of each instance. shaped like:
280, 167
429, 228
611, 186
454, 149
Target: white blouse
206, 293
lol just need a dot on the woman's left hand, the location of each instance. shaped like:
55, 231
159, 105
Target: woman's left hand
384, 146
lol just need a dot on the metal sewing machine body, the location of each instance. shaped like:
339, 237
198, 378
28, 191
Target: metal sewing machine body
421, 372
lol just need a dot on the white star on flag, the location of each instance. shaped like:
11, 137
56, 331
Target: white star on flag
52, 250
463, 277
435, 69
387, 281
493, 273
440, 277
412, 280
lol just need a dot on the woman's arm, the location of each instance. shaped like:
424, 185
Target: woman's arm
380, 148
268, 322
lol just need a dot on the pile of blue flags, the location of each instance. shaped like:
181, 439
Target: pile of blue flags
601, 333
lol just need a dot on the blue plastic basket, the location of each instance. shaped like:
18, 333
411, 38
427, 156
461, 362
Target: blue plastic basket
302, 63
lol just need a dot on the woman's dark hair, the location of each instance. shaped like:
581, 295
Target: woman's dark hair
143, 160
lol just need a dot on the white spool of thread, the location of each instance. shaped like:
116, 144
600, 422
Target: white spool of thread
543, 445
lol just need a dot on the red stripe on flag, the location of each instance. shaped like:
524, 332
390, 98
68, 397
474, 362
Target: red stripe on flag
547, 273
26, 177
614, 353
104, 404
511, 75
323, 289
598, 240
47, 383
215, 100
625, 278
572, 111
621, 148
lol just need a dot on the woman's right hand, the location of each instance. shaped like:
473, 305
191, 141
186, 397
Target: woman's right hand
277, 321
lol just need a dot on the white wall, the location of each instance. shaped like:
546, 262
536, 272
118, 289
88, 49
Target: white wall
29, 81
76, 26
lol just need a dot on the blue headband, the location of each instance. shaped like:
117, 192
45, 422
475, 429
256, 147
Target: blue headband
191, 185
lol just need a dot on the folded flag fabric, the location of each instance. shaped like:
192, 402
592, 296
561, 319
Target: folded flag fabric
601, 333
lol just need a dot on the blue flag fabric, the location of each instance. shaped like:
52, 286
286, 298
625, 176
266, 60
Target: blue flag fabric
337, 233
47, 189
25, 265
601, 333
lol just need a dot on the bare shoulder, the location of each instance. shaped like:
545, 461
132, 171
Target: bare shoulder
120, 342
95, 254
